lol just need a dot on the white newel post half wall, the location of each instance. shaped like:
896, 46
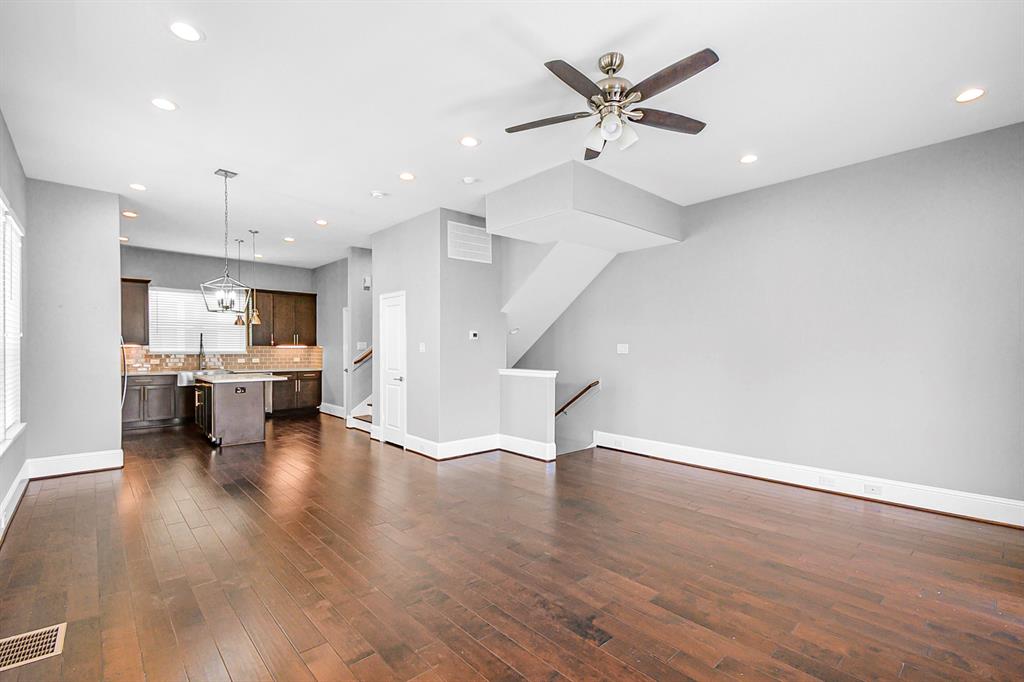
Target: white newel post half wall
527, 425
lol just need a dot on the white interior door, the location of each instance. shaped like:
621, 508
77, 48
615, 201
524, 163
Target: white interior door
392, 368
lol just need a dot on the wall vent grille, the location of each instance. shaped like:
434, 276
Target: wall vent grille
468, 242
31, 646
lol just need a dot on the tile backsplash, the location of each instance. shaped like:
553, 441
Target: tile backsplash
141, 361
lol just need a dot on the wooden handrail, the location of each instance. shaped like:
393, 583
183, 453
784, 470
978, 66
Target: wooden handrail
363, 357
576, 397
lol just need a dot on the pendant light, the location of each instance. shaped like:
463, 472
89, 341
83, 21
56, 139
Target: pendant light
240, 320
254, 318
225, 294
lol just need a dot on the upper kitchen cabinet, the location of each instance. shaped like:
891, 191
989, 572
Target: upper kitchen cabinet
288, 319
135, 310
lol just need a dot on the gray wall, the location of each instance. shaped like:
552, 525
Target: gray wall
13, 185
470, 300
406, 257
867, 319
360, 305
331, 284
188, 271
71, 381
519, 259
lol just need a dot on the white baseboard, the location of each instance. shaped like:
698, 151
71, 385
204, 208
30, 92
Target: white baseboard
524, 446
961, 503
451, 448
353, 423
58, 465
374, 431
333, 410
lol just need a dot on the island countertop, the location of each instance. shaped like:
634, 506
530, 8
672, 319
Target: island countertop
238, 378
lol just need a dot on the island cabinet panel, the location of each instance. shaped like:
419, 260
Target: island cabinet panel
135, 311
288, 319
284, 392
262, 334
307, 394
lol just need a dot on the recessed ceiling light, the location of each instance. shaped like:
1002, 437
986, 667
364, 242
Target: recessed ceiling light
469, 180
289, 239
137, 187
165, 104
377, 194
748, 158
259, 255
321, 222
186, 32
969, 95
129, 214
469, 141
407, 176
122, 239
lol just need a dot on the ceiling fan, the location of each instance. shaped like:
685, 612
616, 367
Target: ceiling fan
611, 99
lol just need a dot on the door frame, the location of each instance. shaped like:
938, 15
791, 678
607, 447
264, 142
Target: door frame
378, 415
346, 361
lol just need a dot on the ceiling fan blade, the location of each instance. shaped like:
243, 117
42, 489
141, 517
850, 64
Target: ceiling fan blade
675, 74
590, 154
548, 121
572, 77
669, 121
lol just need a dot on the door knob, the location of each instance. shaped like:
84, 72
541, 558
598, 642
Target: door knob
399, 378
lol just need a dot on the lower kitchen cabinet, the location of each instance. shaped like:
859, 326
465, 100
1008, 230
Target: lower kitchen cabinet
300, 392
156, 401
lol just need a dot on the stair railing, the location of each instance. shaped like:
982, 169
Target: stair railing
582, 392
362, 357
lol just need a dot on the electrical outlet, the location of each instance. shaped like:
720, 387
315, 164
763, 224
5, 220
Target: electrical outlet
827, 481
616, 443
423, 347
872, 489
622, 349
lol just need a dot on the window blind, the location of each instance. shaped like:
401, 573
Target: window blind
178, 316
12, 322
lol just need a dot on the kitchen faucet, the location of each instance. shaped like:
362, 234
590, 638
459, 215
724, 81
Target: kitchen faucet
202, 355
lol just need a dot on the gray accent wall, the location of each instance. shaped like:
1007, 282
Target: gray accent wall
470, 301
406, 258
867, 320
71, 391
188, 271
331, 284
360, 305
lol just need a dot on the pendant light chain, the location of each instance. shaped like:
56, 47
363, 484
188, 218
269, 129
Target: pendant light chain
225, 225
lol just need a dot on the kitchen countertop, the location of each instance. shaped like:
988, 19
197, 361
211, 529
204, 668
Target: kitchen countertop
240, 378
251, 370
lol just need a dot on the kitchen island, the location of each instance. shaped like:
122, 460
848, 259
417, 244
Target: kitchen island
230, 407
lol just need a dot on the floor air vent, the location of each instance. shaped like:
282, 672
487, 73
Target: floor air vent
31, 646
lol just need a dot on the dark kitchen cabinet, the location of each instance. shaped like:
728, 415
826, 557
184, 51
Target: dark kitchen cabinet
284, 392
261, 334
288, 319
135, 311
307, 394
301, 391
156, 400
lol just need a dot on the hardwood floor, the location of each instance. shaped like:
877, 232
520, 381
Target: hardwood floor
326, 556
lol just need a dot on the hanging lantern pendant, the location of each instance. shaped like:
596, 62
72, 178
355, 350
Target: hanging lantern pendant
225, 294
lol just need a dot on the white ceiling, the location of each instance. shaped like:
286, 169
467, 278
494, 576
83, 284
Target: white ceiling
316, 103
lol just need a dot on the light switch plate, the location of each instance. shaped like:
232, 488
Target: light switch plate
423, 347
360, 345
622, 349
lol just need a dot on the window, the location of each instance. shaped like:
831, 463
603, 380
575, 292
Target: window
10, 289
178, 316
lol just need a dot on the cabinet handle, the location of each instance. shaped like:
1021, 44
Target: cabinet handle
298, 385
271, 338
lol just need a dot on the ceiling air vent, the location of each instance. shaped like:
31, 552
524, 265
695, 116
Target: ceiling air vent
468, 242
31, 646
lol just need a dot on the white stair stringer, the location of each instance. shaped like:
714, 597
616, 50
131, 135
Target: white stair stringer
554, 284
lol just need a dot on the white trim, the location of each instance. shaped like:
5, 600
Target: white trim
374, 431
525, 446
333, 410
545, 373
451, 448
962, 503
58, 465
353, 423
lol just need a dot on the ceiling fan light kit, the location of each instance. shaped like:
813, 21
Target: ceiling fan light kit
611, 99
